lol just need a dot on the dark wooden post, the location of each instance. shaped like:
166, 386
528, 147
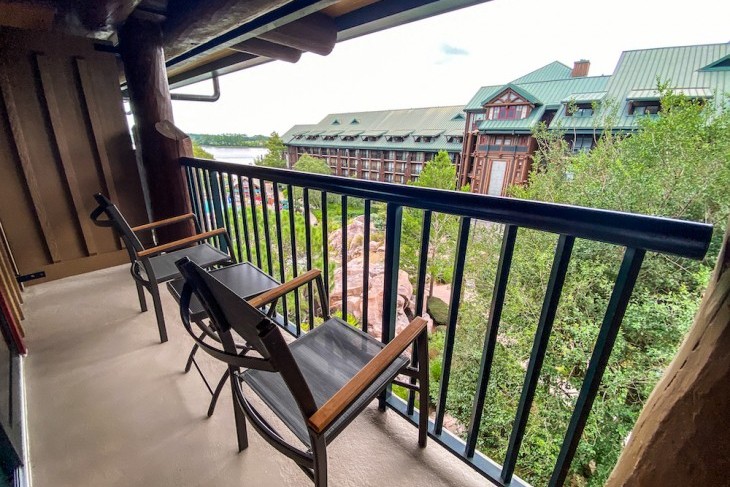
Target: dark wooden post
140, 45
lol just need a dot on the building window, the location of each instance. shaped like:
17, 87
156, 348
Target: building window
507, 112
364, 153
455, 140
644, 107
416, 168
582, 143
579, 110
419, 156
388, 178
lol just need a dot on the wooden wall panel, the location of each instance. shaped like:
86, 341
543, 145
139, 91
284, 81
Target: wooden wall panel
64, 137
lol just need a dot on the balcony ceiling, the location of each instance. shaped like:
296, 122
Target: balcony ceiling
202, 37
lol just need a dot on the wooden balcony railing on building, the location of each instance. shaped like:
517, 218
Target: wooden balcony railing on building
213, 186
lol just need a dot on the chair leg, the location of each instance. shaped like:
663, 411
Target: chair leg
319, 452
423, 393
140, 295
155, 291
191, 357
238, 415
218, 390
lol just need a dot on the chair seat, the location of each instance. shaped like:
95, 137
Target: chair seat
328, 356
163, 266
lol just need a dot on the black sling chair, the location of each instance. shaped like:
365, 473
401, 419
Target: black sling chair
315, 385
157, 264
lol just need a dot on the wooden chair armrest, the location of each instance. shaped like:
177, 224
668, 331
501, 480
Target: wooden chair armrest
162, 223
355, 387
180, 243
280, 290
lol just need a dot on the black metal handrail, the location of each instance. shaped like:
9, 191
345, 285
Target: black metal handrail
210, 184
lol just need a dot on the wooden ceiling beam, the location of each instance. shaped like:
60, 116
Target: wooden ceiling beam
268, 49
315, 33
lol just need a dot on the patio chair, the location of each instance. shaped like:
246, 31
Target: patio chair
157, 264
315, 385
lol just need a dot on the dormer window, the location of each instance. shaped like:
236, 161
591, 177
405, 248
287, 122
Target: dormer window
312, 137
424, 139
638, 108
298, 136
453, 139
370, 138
579, 110
394, 138
507, 112
354, 121
329, 137
348, 137
335, 122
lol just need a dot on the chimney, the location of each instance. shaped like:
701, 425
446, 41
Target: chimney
580, 68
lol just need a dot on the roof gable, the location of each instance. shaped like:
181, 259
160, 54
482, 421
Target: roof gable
510, 95
549, 72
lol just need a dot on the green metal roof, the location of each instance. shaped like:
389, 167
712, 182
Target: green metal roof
683, 68
484, 93
436, 122
549, 72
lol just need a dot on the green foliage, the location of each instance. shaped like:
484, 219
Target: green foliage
438, 310
200, 152
229, 140
307, 163
275, 157
439, 173
676, 165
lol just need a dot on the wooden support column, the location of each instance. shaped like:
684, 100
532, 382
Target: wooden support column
681, 436
140, 45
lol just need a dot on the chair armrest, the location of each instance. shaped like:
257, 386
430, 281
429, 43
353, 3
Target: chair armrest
181, 243
282, 289
355, 387
165, 222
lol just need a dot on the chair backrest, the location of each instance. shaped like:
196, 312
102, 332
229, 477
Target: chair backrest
228, 311
117, 221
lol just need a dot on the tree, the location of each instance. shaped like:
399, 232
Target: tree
676, 164
439, 173
201, 153
275, 156
314, 165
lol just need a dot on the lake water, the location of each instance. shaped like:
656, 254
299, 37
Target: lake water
239, 155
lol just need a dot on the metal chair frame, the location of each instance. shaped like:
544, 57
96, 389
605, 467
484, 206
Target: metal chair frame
143, 259
231, 316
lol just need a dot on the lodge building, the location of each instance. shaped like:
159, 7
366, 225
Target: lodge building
490, 139
390, 146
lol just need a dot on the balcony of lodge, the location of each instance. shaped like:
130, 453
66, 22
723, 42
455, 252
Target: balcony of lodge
109, 406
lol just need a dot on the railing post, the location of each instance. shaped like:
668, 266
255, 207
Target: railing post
394, 219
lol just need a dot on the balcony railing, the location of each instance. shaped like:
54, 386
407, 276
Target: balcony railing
210, 185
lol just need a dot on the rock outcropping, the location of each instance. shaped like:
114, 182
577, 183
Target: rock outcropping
376, 276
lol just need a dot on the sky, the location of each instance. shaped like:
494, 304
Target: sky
444, 60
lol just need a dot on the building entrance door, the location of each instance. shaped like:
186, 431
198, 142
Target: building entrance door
496, 178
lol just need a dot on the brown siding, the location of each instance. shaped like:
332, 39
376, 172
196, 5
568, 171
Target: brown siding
63, 137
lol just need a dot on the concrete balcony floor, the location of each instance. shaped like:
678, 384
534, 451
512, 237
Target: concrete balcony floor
108, 405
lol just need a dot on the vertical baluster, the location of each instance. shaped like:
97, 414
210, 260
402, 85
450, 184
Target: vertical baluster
221, 181
537, 356
265, 215
393, 227
236, 221
366, 267
198, 197
344, 257
325, 246
420, 292
244, 217
617, 304
254, 220
191, 190
308, 248
490, 338
280, 248
214, 209
456, 283
293, 237
204, 203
